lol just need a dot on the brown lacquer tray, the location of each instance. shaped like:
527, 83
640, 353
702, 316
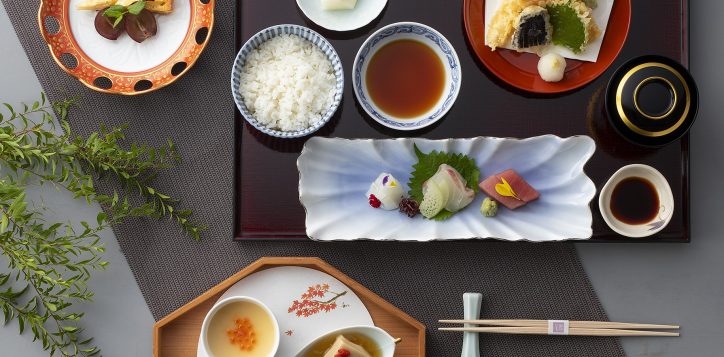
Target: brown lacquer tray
267, 204
177, 334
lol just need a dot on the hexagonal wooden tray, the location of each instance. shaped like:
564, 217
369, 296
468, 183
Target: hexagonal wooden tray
178, 333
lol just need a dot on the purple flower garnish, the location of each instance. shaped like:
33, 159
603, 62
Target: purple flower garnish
384, 180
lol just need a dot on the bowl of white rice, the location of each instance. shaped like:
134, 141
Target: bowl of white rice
287, 81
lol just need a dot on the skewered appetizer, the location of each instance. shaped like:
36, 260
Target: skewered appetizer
132, 16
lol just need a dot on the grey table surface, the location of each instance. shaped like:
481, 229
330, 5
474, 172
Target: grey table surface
658, 283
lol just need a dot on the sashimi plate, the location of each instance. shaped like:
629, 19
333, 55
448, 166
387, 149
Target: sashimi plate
334, 175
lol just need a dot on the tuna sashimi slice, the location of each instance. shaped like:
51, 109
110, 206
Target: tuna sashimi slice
525, 192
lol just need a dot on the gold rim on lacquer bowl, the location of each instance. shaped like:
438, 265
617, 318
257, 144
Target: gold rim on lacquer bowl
103, 72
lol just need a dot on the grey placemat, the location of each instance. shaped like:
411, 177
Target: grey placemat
425, 280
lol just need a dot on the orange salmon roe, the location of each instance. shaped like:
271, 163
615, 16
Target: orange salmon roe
242, 335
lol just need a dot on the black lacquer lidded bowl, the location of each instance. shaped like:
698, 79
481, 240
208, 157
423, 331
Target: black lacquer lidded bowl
652, 100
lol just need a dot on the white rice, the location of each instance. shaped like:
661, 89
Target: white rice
287, 83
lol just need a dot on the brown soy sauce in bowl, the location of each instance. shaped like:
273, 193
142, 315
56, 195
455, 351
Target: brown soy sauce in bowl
635, 201
405, 78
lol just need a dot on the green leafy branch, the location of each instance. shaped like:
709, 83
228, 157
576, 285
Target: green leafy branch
50, 263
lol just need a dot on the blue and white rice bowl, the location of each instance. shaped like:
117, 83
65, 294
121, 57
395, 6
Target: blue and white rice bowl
265, 35
411, 31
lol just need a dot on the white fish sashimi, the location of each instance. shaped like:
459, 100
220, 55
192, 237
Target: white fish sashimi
453, 186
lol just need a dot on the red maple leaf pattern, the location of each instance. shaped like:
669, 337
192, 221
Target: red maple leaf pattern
311, 303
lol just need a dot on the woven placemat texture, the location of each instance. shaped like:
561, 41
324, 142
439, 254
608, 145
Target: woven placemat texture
519, 280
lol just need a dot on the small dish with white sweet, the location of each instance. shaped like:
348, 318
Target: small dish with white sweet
342, 15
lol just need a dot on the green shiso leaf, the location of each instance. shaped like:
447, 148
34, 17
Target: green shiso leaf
568, 29
427, 165
136, 7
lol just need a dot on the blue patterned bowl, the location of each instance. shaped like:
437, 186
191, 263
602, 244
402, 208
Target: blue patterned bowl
265, 35
411, 31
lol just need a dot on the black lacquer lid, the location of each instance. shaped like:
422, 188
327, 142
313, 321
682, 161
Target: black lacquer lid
652, 100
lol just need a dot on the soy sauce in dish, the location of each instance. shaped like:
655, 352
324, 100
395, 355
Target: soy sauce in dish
405, 78
635, 201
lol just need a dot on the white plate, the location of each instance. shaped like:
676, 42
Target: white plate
336, 173
279, 287
125, 55
342, 20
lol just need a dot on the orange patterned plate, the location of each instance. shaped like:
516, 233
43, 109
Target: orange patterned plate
124, 66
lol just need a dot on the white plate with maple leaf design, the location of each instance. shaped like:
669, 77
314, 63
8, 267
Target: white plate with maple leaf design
307, 303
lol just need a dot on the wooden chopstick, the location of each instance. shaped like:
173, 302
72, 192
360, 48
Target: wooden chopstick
572, 324
535, 330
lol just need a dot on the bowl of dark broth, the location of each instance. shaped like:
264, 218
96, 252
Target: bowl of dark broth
636, 201
406, 76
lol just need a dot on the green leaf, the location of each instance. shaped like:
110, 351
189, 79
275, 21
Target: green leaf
21, 324
117, 21
427, 165
4, 223
136, 7
51, 307
114, 11
568, 28
7, 314
101, 218
10, 108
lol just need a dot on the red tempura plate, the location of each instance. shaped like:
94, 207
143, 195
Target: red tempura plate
520, 70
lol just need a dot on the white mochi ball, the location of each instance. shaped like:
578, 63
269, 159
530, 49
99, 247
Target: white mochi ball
552, 67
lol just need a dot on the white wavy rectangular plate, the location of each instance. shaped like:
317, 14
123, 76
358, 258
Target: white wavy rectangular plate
334, 175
